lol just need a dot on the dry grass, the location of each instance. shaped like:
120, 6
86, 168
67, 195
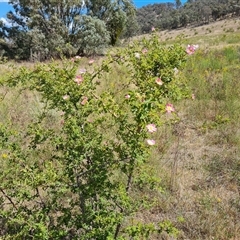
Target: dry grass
198, 158
201, 169
214, 35
213, 29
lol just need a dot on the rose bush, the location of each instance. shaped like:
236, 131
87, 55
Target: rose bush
81, 177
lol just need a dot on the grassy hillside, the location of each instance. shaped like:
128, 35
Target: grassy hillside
198, 157
202, 162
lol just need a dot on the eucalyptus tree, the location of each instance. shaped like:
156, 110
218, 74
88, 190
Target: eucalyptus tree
178, 3
115, 14
52, 28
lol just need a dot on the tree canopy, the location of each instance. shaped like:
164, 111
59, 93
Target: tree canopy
43, 29
49, 28
193, 12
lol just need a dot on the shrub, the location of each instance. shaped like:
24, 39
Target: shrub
81, 177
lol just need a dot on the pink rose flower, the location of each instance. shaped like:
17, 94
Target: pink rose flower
78, 79
66, 97
151, 142
91, 61
84, 101
151, 127
191, 49
159, 81
169, 108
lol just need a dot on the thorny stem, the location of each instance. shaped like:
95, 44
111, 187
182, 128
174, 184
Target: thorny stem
9, 199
